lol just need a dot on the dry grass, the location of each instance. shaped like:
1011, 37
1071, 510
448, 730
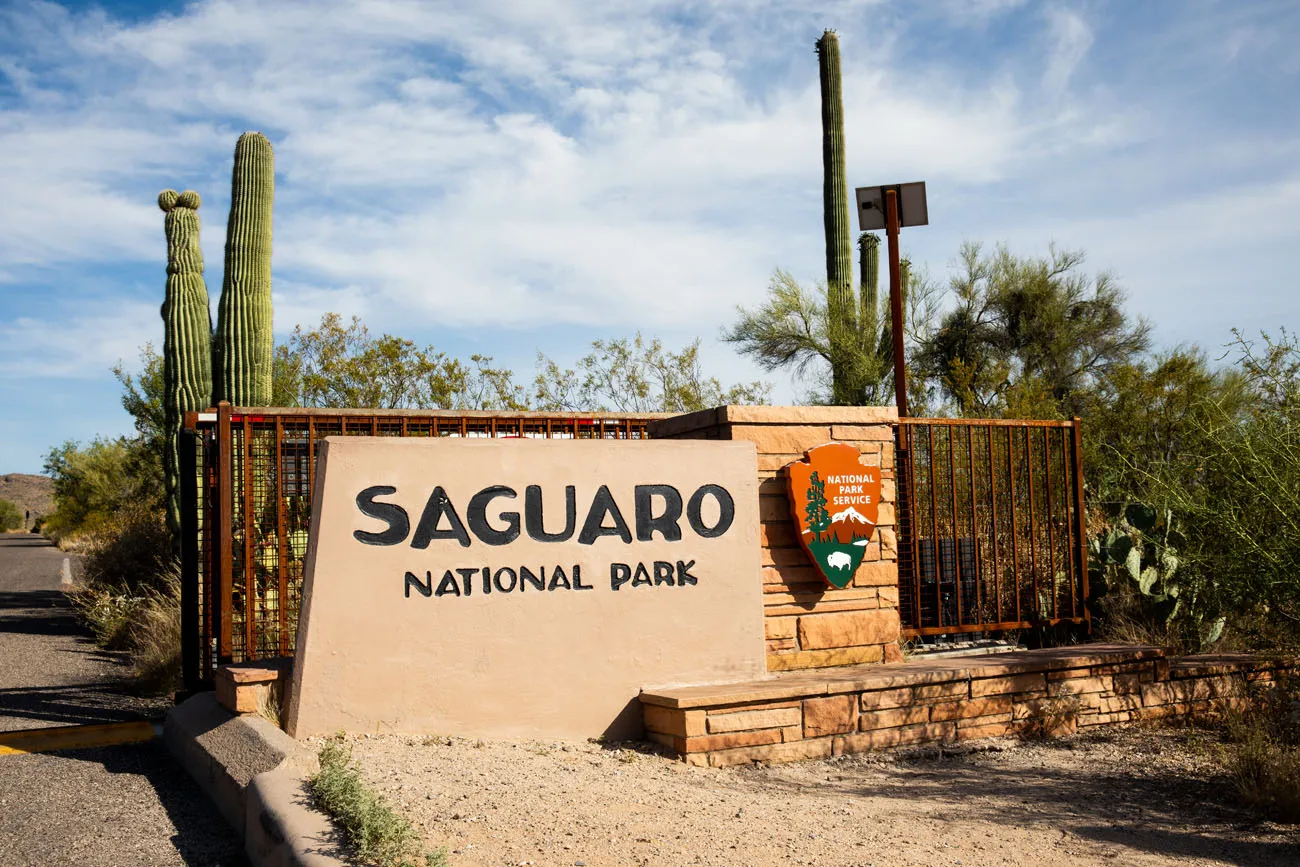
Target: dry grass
1263, 750
1049, 718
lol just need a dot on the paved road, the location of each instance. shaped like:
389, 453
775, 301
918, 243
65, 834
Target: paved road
121, 805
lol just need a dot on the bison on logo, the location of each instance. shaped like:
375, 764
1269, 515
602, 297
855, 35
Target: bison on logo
835, 501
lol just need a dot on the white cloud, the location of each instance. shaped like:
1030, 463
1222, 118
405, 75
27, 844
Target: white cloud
78, 341
1071, 37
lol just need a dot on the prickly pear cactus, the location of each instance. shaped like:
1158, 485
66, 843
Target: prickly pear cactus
187, 333
243, 348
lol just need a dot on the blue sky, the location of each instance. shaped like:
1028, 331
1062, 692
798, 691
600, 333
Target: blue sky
508, 176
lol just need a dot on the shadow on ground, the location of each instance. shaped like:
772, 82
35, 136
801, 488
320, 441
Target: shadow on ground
1138, 807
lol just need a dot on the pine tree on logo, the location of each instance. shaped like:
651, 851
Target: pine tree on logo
819, 521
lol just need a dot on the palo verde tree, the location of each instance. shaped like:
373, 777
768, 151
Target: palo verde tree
1028, 336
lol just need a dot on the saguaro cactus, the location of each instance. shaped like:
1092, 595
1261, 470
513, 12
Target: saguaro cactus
187, 333
869, 291
839, 249
242, 351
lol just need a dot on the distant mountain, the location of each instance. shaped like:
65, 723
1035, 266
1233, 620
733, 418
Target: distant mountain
34, 494
850, 516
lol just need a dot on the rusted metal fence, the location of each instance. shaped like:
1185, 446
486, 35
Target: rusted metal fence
245, 518
991, 525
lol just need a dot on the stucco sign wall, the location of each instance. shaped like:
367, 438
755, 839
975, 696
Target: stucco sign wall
523, 588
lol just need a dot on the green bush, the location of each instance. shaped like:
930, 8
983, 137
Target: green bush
1234, 488
11, 517
372, 830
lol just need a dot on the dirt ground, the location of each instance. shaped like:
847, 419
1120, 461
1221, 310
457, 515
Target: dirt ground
1124, 796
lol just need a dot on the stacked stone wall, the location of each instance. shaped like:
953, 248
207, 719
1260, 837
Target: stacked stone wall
808, 624
804, 717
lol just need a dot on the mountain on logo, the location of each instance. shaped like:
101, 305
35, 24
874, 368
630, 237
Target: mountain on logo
851, 516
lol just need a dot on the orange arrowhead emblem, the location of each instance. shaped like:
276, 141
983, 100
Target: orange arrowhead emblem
835, 501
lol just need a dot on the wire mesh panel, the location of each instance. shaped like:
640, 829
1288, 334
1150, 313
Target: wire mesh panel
990, 525
246, 518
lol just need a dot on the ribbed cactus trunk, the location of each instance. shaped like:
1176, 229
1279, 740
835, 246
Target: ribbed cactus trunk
835, 202
869, 291
242, 351
187, 335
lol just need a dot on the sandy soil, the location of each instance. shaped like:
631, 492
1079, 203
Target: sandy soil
1127, 796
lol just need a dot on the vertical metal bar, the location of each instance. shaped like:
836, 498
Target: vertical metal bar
250, 553
191, 637
224, 549
282, 539
956, 530
913, 528
1069, 532
896, 309
934, 537
1051, 517
1033, 523
993, 527
1079, 519
974, 520
1015, 525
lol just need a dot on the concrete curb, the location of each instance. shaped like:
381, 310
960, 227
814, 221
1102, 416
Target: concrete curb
256, 775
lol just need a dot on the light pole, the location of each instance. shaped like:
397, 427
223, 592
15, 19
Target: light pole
890, 207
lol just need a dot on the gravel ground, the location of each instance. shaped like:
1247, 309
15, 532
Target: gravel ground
1128, 796
122, 805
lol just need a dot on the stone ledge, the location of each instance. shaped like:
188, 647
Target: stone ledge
241, 687
809, 714
680, 425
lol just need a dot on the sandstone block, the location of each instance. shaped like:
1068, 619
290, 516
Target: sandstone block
731, 740
823, 658
969, 708
893, 653
888, 540
779, 627
779, 644
883, 698
848, 629
1002, 685
671, 721
1077, 686
828, 716
880, 573
885, 517
818, 748
768, 463
898, 716
863, 432
746, 720
772, 439
783, 557
779, 535
888, 491
931, 691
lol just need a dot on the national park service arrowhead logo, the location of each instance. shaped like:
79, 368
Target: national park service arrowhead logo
835, 500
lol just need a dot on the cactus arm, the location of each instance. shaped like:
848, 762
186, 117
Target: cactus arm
187, 334
243, 349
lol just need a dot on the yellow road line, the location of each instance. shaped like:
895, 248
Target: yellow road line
77, 737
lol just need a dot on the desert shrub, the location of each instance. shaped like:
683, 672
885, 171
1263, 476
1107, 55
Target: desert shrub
128, 552
11, 517
375, 833
1049, 718
1262, 754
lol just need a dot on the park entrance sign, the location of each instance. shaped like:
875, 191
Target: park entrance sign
835, 503
523, 588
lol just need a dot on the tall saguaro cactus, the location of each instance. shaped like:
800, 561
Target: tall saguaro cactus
243, 348
187, 333
839, 249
